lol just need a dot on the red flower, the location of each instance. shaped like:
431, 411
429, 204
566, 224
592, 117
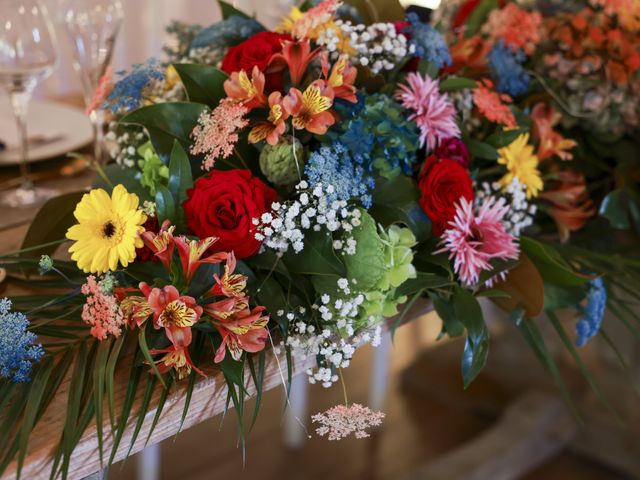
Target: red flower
453, 149
257, 52
224, 204
442, 183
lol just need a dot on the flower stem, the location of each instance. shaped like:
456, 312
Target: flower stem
344, 388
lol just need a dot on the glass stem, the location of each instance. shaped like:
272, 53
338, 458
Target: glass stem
97, 122
20, 102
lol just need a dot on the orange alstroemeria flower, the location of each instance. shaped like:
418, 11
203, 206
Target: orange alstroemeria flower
191, 252
341, 79
249, 91
170, 309
275, 126
550, 142
243, 332
231, 285
570, 206
310, 110
161, 243
468, 53
177, 355
296, 56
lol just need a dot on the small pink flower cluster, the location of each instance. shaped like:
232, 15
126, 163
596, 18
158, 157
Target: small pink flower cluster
217, 132
101, 311
341, 421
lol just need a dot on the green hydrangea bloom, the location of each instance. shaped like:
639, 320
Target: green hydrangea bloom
278, 162
154, 171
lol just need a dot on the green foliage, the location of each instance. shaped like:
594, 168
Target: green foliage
227, 10
317, 258
203, 83
622, 208
180, 180
368, 265
476, 349
152, 169
453, 84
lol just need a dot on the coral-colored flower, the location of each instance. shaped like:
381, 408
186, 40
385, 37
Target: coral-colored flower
342, 77
571, 206
433, 112
170, 309
161, 243
491, 106
248, 91
296, 56
105, 86
343, 420
192, 251
310, 110
550, 142
468, 53
244, 331
517, 27
521, 163
275, 126
307, 25
101, 310
217, 132
231, 284
136, 309
474, 238
177, 355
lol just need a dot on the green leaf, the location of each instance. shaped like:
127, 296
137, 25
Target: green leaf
99, 374
142, 413
109, 378
482, 150
227, 10
129, 397
426, 67
167, 122
503, 138
453, 84
615, 208
444, 309
258, 380
165, 205
479, 16
476, 349
51, 223
142, 343
424, 281
551, 265
317, 258
180, 180
159, 408
396, 201
368, 265
203, 83
119, 174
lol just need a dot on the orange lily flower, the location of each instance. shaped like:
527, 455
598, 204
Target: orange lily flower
551, 143
231, 285
275, 126
243, 332
170, 309
177, 355
310, 110
191, 252
161, 244
248, 91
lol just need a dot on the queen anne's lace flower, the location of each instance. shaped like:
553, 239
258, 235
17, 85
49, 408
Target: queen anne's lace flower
101, 310
18, 351
342, 420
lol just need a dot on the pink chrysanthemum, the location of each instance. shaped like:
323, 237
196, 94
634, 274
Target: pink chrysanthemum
101, 311
434, 113
217, 132
474, 238
341, 421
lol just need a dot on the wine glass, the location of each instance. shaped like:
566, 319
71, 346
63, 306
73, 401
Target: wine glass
92, 26
28, 54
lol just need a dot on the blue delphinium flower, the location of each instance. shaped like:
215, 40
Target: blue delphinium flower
229, 32
333, 165
127, 92
428, 42
18, 351
376, 129
589, 325
507, 70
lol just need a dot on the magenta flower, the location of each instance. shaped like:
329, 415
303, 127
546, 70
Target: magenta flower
477, 236
433, 112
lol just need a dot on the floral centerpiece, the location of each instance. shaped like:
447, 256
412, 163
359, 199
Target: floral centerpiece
288, 192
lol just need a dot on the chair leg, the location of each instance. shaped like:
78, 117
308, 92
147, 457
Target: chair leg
148, 467
380, 373
295, 432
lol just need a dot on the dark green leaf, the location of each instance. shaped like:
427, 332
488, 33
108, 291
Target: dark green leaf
99, 373
503, 138
165, 205
615, 208
142, 343
203, 83
550, 264
369, 265
142, 413
180, 180
129, 177
453, 84
424, 281
444, 308
482, 150
159, 408
227, 10
317, 258
109, 378
476, 350
129, 397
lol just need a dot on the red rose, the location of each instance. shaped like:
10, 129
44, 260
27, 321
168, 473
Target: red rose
442, 183
223, 205
257, 51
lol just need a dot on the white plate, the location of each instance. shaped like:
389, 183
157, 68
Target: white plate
48, 119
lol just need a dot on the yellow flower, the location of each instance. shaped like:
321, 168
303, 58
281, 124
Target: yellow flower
522, 163
108, 230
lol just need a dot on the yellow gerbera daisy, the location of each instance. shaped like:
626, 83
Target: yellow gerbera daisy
108, 231
521, 163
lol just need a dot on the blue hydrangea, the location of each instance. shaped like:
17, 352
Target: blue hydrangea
18, 351
428, 42
507, 70
128, 92
229, 32
334, 165
589, 325
377, 130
